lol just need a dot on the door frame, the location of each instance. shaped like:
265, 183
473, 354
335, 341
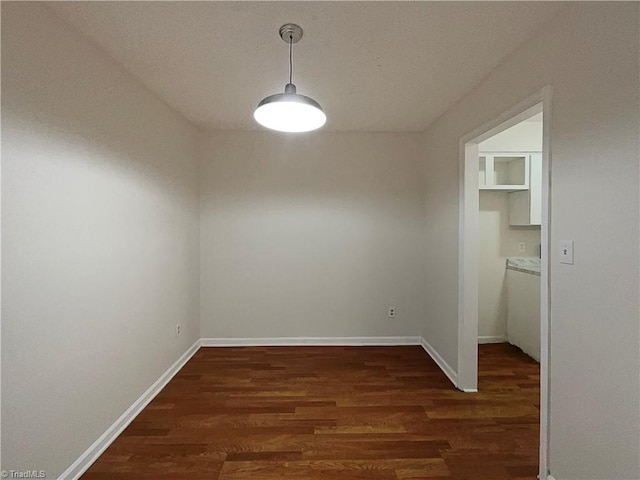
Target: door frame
468, 253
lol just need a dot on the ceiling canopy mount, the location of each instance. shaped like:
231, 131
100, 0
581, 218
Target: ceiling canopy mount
291, 33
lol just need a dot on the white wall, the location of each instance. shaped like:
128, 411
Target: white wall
525, 136
589, 54
310, 235
498, 240
100, 240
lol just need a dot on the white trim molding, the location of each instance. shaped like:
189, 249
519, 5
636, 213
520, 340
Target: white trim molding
444, 366
308, 341
545, 283
540, 101
492, 339
339, 341
92, 453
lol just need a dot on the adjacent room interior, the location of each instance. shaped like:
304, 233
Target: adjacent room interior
510, 204
188, 294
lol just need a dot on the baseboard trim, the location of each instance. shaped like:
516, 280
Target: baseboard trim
492, 339
337, 341
444, 366
90, 455
309, 341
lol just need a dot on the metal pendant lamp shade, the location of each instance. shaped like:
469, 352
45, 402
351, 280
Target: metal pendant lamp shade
289, 111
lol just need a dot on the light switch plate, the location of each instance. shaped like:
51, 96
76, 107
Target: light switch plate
566, 252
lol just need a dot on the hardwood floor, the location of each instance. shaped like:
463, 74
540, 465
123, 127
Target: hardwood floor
369, 413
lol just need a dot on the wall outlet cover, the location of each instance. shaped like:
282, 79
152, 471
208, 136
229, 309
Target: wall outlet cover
566, 252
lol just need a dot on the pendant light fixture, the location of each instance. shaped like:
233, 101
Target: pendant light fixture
289, 111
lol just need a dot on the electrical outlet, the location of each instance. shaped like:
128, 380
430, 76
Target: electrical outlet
178, 327
522, 246
392, 312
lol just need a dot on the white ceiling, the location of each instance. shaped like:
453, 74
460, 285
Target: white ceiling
373, 66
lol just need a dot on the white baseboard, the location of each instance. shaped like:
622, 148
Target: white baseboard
308, 341
444, 366
549, 477
492, 339
100, 445
336, 341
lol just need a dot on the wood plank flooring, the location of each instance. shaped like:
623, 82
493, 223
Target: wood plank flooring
352, 413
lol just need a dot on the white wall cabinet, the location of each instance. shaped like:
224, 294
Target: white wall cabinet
503, 171
525, 207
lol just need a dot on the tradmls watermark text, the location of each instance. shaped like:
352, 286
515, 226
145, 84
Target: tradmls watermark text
23, 474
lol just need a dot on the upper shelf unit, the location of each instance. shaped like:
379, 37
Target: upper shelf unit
506, 171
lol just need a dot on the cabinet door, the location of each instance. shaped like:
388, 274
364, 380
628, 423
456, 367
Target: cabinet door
525, 208
519, 213
535, 189
482, 171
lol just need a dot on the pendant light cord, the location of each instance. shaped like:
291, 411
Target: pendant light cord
290, 58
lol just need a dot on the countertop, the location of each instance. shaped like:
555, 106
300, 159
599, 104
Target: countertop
530, 265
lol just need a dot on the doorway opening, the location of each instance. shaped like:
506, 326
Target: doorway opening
509, 187
510, 182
